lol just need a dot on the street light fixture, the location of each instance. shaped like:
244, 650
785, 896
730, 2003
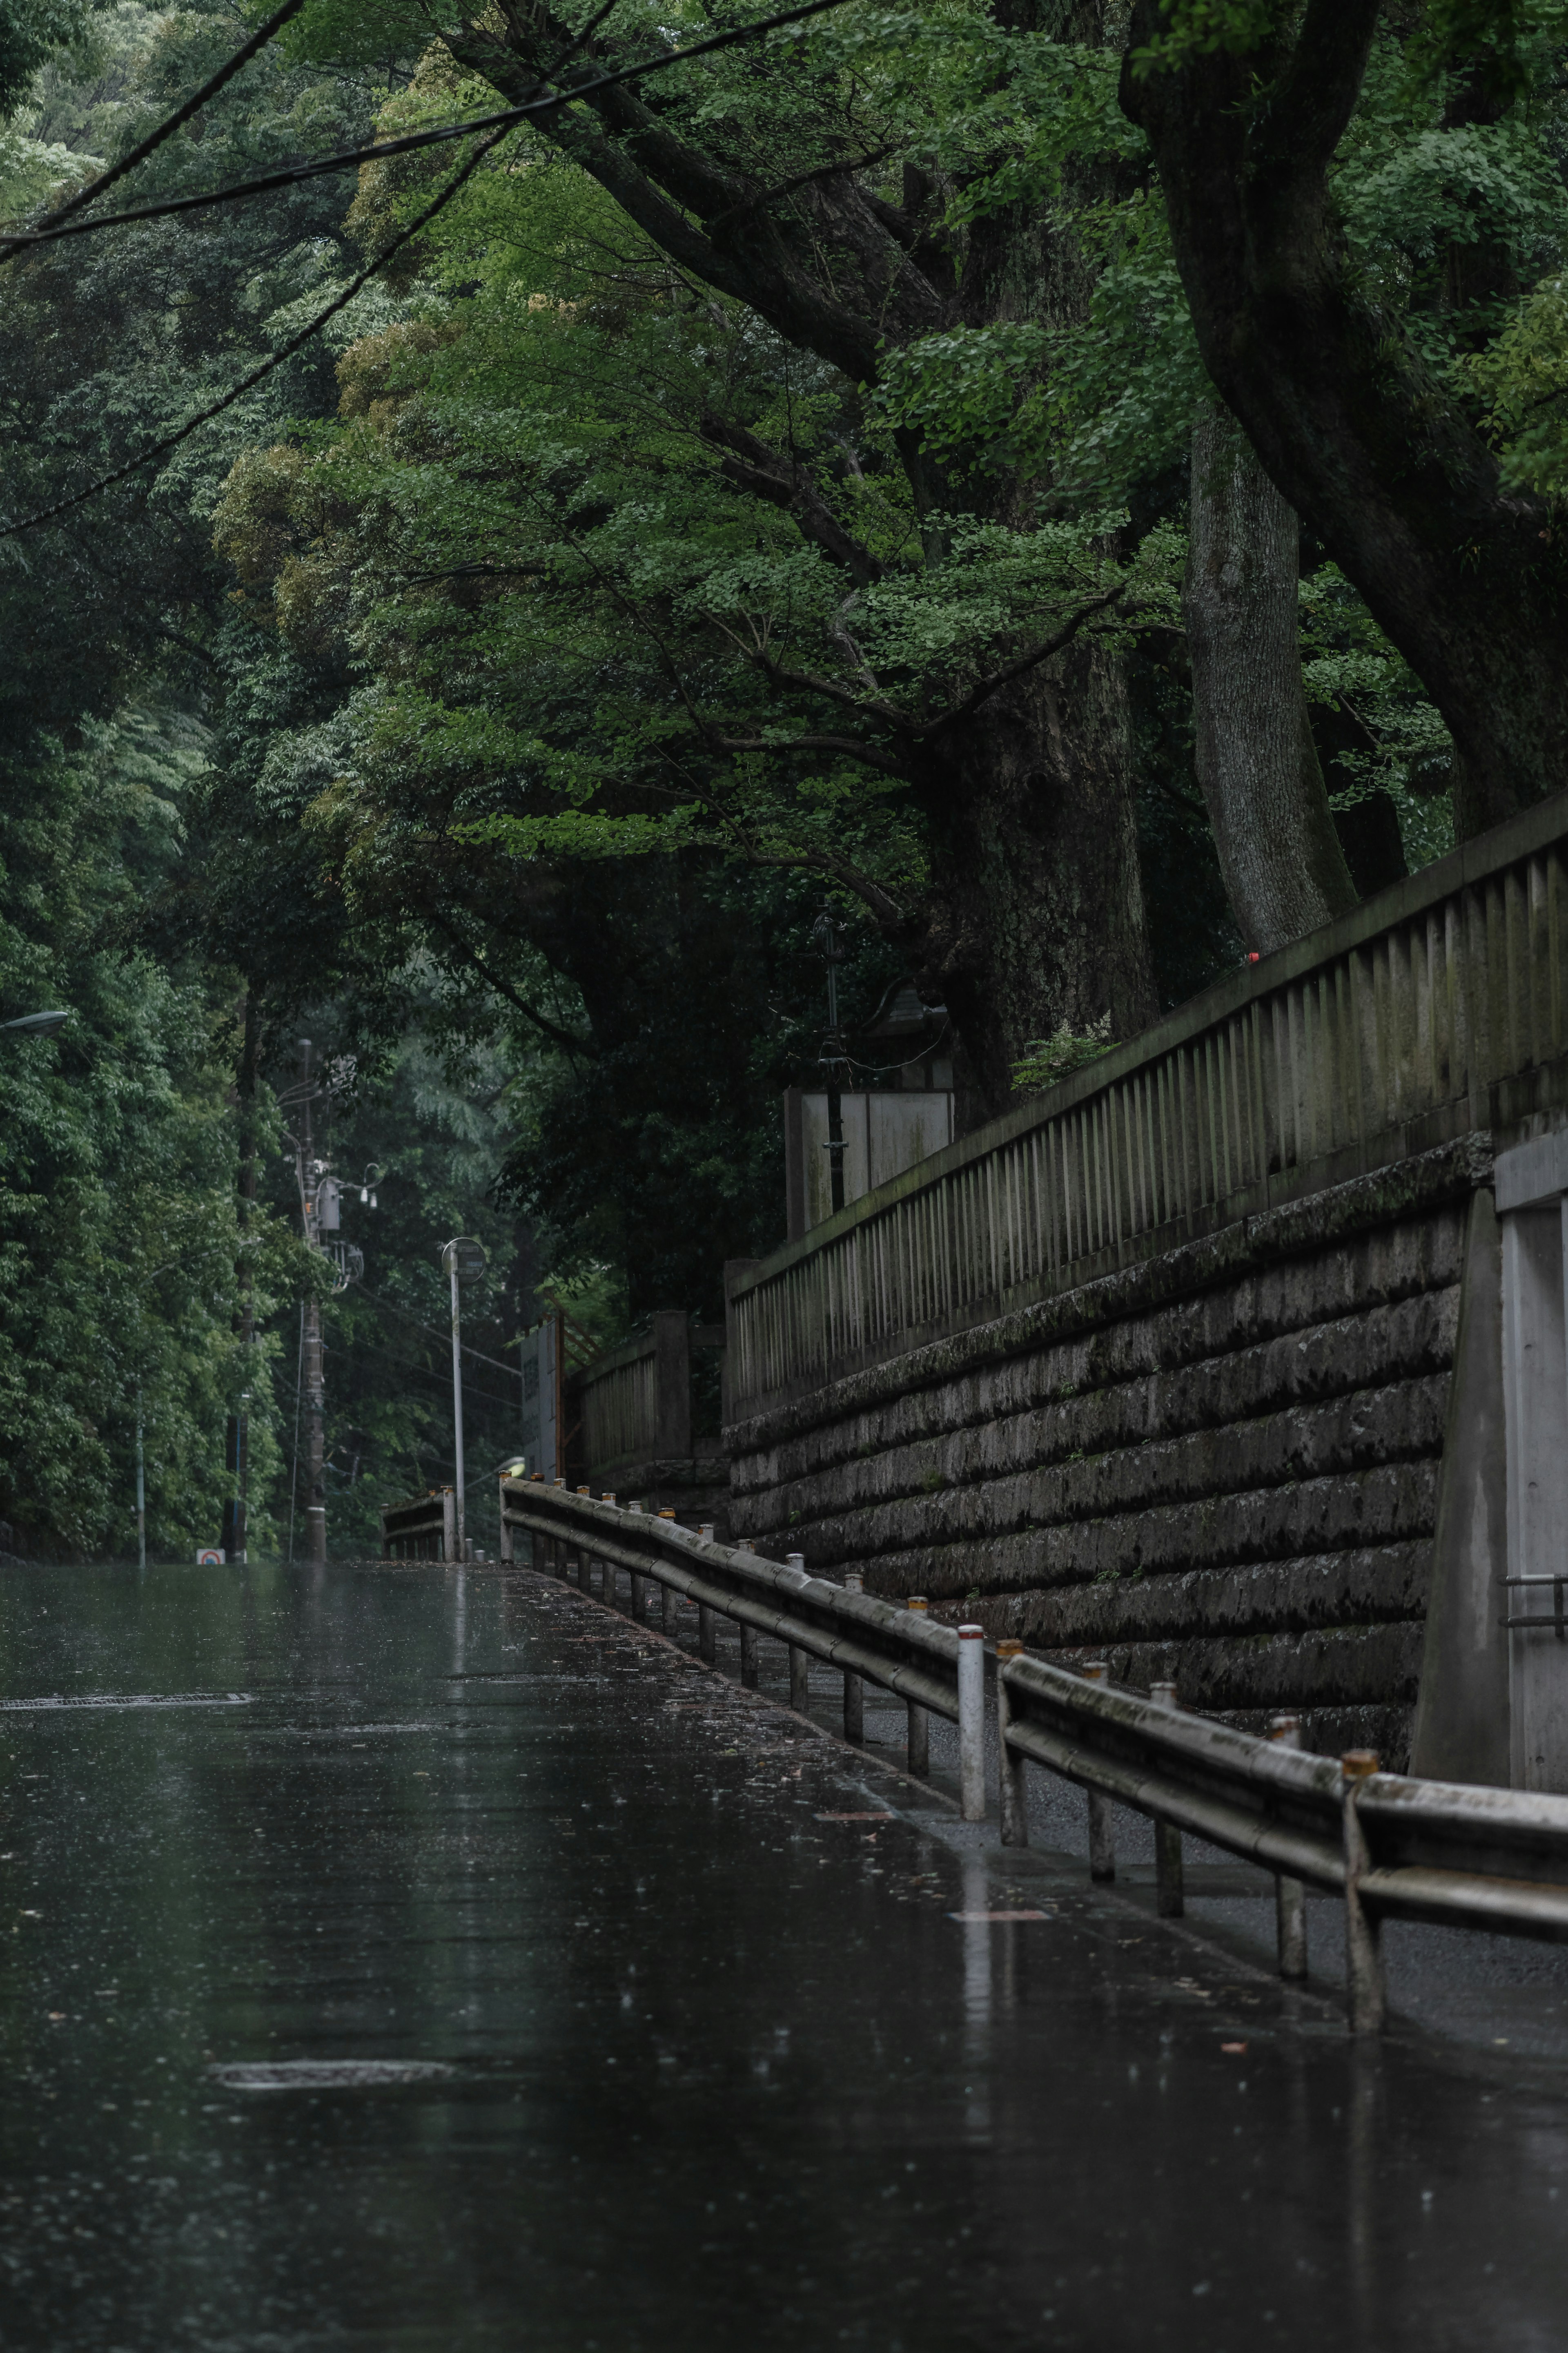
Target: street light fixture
464, 1260
38, 1024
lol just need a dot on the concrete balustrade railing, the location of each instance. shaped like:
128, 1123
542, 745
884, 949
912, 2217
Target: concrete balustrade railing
1390, 1846
1435, 1009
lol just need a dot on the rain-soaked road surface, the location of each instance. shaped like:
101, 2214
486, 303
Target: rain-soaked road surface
455, 1967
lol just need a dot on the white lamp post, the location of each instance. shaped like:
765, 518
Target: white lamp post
464, 1260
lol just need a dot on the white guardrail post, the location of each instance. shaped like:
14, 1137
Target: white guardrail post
1012, 1796
1102, 1831
1390, 1847
1363, 1930
799, 1660
971, 1723
1169, 1900
854, 1689
917, 1755
1289, 1895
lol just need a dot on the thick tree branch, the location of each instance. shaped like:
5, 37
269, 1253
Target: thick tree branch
850, 745
786, 482
1025, 663
541, 1021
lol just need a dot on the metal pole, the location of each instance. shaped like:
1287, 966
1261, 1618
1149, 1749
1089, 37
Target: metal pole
1012, 1794
140, 1489
315, 1381
1101, 1834
920, 1718
799, 1661
457, 1390
1363, 1931
971, 1723
748, 1635
1289, 1895
854, 1689
1169, 1901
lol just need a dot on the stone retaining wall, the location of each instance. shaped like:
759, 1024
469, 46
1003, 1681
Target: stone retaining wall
1221, 1465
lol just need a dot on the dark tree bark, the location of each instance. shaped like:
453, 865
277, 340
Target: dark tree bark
1269, 806
1035, 911
1467, 580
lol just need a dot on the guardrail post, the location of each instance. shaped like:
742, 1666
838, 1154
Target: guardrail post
748, 1635
706, 1619
1363, 1931
1169, 1901
971, 1723
799, 1661
585, 1560
854, 1689
920, 1718
1009, 1761
1101, 1832
1289, 1895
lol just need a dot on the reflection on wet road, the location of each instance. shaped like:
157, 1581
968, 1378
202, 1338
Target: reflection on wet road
415, 1959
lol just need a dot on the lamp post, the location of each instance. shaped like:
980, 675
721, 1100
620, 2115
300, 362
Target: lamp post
464, 1260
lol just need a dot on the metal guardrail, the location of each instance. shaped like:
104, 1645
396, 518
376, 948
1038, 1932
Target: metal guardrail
1392, 1847
425, 1528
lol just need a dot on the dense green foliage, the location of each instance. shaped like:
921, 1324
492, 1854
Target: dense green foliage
494, 691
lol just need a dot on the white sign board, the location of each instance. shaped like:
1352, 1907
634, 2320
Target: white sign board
210, 1557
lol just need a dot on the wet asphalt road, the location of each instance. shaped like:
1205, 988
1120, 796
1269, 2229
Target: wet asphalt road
459, 1966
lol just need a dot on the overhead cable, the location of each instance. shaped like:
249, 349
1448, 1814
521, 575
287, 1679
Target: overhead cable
351, 158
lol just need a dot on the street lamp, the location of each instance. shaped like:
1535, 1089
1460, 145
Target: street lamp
36, 1025
464, 1260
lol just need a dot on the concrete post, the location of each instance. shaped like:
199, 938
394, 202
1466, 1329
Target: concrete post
1010, 1762
971, 1723
920, 1718
1101, 1833
449, 1526
854, 1688
1169, 1901
1289, 1895
1364, 1932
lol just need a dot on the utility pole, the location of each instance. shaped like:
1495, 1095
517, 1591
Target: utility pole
314, 1379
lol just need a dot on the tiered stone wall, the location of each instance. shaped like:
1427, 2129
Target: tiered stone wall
1220, 1465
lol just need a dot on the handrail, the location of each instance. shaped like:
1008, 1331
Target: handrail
1392, 1846
422, 1519
1435, 1009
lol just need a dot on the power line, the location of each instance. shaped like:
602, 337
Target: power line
350, 158
167, 128
203, 416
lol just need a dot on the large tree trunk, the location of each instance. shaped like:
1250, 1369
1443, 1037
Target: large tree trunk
1267, 804
1037, 913
1379, 457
